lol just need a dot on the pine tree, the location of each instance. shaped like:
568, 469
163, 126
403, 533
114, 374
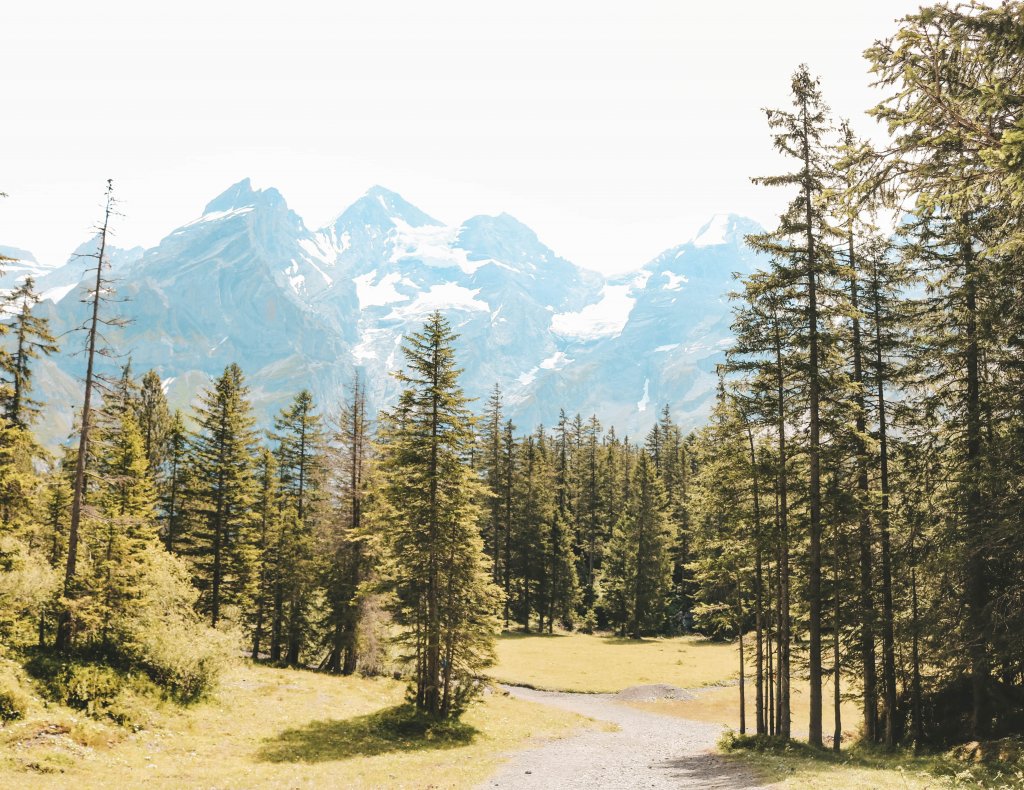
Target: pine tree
953, 163
32, 339
223, 491
352, 548
267, 509
437, 570
801, 255
490, 459
173, 482
154, 418
639, 568
589, 511
300, 459
127, 528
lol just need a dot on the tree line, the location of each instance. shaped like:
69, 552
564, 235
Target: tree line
319, 541
860, 479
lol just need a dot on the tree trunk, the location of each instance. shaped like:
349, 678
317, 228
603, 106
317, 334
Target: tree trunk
977, 589
783, 635
814, 462
888, 636
867, 607
758, 595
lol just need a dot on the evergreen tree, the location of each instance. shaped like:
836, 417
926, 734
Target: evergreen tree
351, 547
154, 418
32, 339
639, 568
300, 459
801, 257
266, 569
127, 528
173, 482
437, 570
98, 295
223, 491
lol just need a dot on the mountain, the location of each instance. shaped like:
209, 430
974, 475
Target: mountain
247, 281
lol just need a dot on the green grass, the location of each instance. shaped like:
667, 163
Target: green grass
603, 663
276, 728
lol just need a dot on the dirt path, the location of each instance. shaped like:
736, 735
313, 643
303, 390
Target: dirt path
647, 751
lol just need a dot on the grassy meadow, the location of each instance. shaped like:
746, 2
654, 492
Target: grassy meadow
596, 663
275, 728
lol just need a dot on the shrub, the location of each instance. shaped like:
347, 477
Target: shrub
27, 583
163, 636
14, 702
100, 691
87, 687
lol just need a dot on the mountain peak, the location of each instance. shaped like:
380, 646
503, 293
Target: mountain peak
242, 195
379, 207
724, 229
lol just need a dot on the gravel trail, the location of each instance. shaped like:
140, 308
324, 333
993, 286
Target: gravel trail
647, 751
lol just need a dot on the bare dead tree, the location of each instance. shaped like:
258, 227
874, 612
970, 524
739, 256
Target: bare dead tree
100, 293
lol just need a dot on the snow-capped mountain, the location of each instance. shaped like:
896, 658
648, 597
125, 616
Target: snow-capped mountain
247, 281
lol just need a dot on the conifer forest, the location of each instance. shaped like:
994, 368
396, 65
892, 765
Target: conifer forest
849, 520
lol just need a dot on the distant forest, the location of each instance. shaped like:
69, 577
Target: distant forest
852, 513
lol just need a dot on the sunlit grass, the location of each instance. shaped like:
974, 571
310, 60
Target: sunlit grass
601, 663
277, 728
722, 706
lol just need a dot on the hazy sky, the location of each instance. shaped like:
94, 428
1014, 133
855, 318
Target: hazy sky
613, 129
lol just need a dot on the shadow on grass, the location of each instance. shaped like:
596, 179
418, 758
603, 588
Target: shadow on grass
515, 635
774, 759
614, 639
397, 729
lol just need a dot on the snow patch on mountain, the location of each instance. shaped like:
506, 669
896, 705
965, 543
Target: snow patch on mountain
57, 293
601, 319
447, 296
370, 343
372, 294
556, 361
433, 245
645, 401
675, 281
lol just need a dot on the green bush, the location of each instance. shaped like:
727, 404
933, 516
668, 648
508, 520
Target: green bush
14, 702
88, 687
182, 658
163, 637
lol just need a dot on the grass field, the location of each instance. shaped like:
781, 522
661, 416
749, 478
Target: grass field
796, 768
274, 728
722, 706
601, 663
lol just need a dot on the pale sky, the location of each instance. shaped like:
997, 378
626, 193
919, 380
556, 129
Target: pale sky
613, 129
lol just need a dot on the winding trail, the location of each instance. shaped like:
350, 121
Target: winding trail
646, 751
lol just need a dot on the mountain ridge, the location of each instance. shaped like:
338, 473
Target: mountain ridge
247, 281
